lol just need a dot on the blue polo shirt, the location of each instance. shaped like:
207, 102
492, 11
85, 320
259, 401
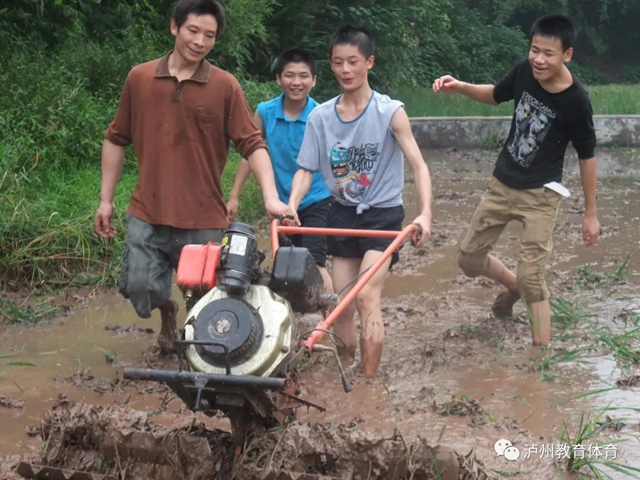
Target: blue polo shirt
284, 138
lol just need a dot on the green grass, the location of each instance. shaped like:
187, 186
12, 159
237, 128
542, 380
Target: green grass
588, 434
605, 282
567, 315
422, 102
48, 235
36, 310
51, 131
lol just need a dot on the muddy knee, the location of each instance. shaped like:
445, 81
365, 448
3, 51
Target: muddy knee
473, 264
531, 282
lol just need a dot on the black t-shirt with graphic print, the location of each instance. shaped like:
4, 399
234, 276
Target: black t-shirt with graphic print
542, 126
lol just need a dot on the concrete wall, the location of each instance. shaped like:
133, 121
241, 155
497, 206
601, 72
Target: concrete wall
475, 132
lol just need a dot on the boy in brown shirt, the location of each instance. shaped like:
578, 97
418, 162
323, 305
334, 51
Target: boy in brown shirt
180, 113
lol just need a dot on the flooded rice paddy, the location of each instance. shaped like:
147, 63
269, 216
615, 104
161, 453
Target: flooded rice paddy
452, 375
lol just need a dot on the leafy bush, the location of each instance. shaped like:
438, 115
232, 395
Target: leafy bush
630, 74
52, 123
64, 62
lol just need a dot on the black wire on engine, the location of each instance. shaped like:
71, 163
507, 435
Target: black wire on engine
331, 334
355, 279
305, 335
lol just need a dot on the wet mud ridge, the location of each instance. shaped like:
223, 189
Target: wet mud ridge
83, 441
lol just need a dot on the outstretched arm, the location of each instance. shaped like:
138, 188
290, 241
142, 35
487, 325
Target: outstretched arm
479, 93
503, 91
590, 224
250, 144
402, 131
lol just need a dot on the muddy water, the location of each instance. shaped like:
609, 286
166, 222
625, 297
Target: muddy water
443, 351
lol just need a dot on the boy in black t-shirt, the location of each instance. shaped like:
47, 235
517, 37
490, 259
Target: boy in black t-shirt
551, 109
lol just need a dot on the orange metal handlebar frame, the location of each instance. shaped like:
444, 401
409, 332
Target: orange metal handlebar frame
399, 235
342, 232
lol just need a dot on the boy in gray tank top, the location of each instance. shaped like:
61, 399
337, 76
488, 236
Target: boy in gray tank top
358, 141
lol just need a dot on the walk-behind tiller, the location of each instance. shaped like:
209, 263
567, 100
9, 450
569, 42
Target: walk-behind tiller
238, 341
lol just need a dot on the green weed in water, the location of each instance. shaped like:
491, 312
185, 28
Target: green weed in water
111, 357
625, 347
607, 282
548, 360
568, 315
20, 314
587, 456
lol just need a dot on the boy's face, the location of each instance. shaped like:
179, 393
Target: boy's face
546, 57
296, 80
350, 66
195, 37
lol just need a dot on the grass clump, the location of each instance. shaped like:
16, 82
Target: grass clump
607, 282
549, 359
567, 315
625, 347
27, 314
587, 456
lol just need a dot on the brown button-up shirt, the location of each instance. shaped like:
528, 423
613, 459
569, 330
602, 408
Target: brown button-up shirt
181, 133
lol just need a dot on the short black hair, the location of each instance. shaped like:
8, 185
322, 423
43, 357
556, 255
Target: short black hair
555, 26
295, 55
351, 35
184, 8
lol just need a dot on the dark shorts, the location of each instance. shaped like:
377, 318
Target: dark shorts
341, 216
151, 255
315, 215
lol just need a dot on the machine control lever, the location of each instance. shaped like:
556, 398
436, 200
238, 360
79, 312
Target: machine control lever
345, 381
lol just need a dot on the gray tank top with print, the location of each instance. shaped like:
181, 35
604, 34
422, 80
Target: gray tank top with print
360, 160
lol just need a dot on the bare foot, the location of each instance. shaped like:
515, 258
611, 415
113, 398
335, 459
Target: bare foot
503, 305
169, 328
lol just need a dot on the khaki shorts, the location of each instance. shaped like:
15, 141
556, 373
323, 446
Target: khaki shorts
537, 210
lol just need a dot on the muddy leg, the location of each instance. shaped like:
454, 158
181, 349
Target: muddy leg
328, 288
497, 271
487, 224
537, 246
326, 278
540, 322
343, 271
169, 327
534, 291
372, 327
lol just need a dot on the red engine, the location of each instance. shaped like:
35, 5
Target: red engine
197, 268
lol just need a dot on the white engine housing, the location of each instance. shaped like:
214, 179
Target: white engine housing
277, 341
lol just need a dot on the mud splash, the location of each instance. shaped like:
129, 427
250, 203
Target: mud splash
118, 442
451, 373
11, 403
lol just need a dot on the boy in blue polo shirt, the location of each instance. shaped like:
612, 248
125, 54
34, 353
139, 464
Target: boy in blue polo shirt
282, 121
